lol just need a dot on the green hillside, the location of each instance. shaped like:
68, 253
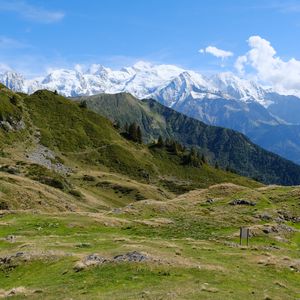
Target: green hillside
227, 147
184, 248
61, 142
87, 214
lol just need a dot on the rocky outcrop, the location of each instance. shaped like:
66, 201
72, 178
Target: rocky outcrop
96, 260
12, 125
242, 202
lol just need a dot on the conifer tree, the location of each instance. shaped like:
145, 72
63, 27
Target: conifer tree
132, 131
117, 125
14, 100
126, 128
83, 104
139, 135
160, 142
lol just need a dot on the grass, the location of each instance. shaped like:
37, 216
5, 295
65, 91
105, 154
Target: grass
122, 197
227, 147
191, 266
87, 142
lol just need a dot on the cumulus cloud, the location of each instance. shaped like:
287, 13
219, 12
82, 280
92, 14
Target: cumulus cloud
31, 12
216, 52
283, 75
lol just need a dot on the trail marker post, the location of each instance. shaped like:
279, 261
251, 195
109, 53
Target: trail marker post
244, 234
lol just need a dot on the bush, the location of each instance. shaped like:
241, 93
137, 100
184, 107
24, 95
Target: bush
83, 104
54, 182
48, 177
4, 205
76, 193
15, 100
88, 178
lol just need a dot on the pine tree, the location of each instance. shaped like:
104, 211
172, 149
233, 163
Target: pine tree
193, 153
193, 158
216, 165
117, 125
126, 128
175, 147
132, 132
83, 104
167, 142
160, 142
139, 135
14, 100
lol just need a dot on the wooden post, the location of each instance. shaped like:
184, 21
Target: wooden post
244, 234
241, 236
248, 236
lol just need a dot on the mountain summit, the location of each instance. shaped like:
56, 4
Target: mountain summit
266, 117
142, 80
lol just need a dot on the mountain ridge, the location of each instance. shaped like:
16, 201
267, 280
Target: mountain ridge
224, 146
222, 99
147, 78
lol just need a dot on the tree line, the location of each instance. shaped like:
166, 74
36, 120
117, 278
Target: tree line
190, 156
131, 132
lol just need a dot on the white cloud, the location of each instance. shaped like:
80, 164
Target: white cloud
31, 12
216, 52
9, 43
284, 76
239, 64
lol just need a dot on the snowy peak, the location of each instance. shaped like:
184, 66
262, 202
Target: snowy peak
186, 84
142, 65
167, 83
193, 80
13, 80
240, 89
96, 69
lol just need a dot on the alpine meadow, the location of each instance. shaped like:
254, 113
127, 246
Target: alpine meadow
149, 150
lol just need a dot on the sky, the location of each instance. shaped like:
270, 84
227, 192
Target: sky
246, 37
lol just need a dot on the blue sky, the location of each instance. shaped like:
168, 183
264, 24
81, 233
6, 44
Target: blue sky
38, 35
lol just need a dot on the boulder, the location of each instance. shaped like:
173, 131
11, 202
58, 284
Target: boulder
242, 202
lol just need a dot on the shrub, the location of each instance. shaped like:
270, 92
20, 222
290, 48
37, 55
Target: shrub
76, 193
83, 104
4, 205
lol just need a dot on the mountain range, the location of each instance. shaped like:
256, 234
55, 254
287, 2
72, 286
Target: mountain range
226, 147
88, 212
266, 117
46, 119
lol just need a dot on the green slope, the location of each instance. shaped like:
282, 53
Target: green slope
227, 147
81, 134
86, 143
52, 225
192, 246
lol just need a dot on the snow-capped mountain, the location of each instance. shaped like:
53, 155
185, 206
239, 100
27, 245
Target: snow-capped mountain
241, 89
186, 84
13, 81
268, 118
166, 83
